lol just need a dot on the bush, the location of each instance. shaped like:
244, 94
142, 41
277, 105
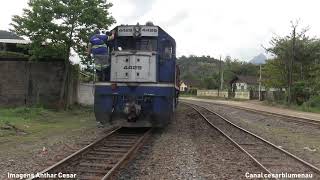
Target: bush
9, 54
192, 91
313, 102
27, 112
301, 92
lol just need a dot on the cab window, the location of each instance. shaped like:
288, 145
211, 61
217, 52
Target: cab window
168, 52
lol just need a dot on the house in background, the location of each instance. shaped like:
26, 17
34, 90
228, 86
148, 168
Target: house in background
192, 84
244, 83
9, 42
189, 86
183, 87
245, 87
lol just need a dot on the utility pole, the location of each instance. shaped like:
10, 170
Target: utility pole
291, 64
260, 84
222, 72
219, 77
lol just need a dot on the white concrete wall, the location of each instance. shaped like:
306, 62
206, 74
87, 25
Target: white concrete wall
86, 94
242, 95
213, 93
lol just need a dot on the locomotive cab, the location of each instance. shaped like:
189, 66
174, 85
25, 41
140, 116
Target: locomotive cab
134, 60
142, 87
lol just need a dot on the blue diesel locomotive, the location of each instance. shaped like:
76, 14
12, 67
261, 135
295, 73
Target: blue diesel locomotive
142, 84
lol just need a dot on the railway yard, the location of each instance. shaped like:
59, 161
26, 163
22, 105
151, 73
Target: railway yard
130, 90
204, 141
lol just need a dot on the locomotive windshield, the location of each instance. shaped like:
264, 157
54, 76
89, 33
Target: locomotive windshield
139, 44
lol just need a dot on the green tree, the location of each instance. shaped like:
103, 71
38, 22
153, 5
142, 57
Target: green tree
211, 82
55, 27
274, 74
296, 64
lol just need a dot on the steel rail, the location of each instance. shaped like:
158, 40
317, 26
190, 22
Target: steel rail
229, 138
77, 153
305, 163
126, 156
87, 148
284, 116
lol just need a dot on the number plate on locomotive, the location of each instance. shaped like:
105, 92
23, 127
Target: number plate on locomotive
144, 30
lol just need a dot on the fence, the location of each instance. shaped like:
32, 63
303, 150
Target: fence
276, 95
213, 93
242, 95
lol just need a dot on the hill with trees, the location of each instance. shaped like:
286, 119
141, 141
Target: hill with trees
205, 70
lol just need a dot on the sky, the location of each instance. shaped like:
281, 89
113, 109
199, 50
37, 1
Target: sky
237, 28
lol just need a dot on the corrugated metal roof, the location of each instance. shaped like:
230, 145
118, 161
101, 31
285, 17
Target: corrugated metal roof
15, 41
9, 35
246, 79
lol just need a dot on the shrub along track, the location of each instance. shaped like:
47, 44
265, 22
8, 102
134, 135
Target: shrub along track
267, 155
102, 158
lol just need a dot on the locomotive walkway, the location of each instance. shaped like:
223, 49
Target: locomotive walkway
258, 106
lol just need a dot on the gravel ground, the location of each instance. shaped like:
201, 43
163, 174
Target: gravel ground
274, 160
296, 137
188, 149
33, 158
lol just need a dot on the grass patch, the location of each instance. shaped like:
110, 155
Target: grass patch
187, 95
283, 104
9, 54
308, 109
26, 124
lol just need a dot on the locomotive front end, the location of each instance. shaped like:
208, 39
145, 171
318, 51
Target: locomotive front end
136, 94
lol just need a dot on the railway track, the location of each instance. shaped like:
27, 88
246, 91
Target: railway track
298, 120
102, 158
271, 158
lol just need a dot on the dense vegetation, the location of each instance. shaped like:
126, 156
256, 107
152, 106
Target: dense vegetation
204, 71
9, 54
296, 67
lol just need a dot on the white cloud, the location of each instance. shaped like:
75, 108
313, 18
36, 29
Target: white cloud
209, 27
8, 9
229, 27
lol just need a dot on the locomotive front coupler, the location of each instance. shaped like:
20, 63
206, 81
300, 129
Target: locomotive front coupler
132, 110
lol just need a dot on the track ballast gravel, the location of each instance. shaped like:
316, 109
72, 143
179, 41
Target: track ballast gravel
299, 138
189, 149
